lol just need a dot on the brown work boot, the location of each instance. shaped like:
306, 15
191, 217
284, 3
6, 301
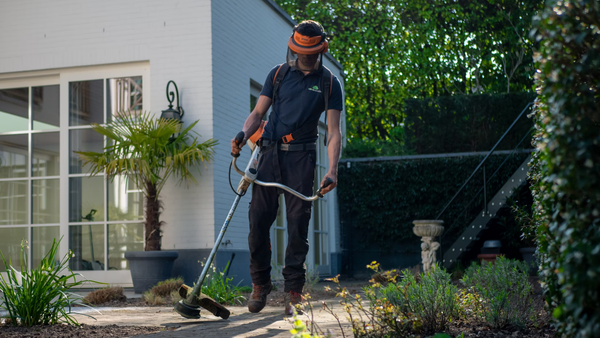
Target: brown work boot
258, 298
291, 299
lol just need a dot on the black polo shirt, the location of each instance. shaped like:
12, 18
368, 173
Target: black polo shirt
299, 101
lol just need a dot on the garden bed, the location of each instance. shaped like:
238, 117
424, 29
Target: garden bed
69, 331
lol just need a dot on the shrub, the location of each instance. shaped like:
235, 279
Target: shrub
373, 148
459, 123
403, 191
163, 291
504, 291
221, 288
566, 170
153, 299
40, 296
101, 296
431, 299
175, 296
426, 302
166, 287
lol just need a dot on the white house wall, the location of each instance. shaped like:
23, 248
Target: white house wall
174, 37
249, 39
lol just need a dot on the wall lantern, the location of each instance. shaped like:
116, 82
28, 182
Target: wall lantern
171, 113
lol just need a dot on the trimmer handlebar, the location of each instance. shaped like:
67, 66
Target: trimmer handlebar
250, 177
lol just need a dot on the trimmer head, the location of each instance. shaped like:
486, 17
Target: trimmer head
187, 311
189, 307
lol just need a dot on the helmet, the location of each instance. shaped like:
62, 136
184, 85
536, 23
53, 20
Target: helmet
306, 45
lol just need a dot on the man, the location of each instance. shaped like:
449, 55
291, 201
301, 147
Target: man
288, 156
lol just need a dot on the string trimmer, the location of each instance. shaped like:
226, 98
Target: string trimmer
194, 298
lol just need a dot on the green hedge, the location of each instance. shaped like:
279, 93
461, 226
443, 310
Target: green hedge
462, 123
566, 171
381, 199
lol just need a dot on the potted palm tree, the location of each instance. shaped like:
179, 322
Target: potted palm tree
146, 150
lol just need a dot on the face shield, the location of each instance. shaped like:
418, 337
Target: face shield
306, 53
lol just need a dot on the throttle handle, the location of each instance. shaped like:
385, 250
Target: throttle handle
328, 182
238, 139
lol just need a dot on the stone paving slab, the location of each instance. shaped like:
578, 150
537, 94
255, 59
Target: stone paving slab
270, 322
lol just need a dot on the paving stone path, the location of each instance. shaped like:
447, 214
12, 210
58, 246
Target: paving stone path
270, 322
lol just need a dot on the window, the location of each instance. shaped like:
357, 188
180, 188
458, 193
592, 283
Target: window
29, 171
43, 199
101, 213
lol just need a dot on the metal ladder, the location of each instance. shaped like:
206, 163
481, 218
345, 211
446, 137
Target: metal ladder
470, 235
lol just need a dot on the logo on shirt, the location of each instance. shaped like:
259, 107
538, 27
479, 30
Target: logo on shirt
314, 89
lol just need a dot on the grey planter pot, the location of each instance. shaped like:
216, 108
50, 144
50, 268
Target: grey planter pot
150, 267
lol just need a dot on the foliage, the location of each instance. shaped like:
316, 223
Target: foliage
504, 291
166, 287
392, 50
220, 288
566, 170
301, 331
245, 289
142, 148
466, 123
374, 148
105, 295
431, 298
401, 306
312, 279
414, 189
153, 299
41, 296
372, 319
470, 304
521, 206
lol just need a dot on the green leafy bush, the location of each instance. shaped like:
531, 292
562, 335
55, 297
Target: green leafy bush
566, 170
406, 304
460, 123
504, 291
41, 296
380, 200
431, 298
374, 148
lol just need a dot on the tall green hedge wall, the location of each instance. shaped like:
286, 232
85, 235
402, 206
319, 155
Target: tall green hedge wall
566, 173
462, 123
381, 199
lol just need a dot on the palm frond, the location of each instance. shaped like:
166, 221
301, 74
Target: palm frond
141, 147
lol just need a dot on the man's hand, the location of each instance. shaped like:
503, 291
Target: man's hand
235, 147
330, 187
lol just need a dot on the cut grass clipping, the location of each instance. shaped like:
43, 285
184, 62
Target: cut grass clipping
97, 297
40, 296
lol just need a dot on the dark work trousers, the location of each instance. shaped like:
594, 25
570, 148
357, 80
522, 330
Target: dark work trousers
297, 172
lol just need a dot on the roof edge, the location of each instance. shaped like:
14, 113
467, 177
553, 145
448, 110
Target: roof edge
291, 21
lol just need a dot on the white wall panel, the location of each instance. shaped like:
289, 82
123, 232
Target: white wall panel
173, 36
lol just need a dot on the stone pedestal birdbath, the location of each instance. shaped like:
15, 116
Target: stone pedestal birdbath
428, 230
